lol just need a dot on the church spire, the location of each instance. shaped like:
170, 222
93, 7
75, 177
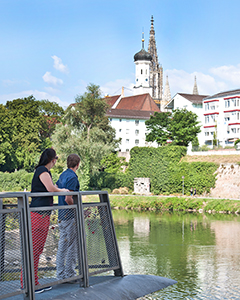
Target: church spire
195, 88
166, 95
156, 71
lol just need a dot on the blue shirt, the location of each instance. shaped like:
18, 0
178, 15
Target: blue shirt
68, 180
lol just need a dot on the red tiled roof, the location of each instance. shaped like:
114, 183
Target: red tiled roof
112, 99
143, 102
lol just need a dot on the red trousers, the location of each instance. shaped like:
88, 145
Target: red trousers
40, 226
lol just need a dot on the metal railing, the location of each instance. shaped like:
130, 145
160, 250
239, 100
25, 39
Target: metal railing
72, 243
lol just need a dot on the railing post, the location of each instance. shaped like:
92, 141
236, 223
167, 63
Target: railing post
24, 230
82, 250
104, 198
2, 240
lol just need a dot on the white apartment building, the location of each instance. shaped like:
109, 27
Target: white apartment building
127, 116
221, 115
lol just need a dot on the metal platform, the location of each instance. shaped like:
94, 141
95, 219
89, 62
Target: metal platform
106, 288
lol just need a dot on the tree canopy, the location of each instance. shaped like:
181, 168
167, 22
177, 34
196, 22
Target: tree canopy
158, 128
25, 131
181, 127
86, 131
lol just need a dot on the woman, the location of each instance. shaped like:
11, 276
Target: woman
40, 220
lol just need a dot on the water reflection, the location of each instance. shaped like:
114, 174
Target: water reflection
201, 252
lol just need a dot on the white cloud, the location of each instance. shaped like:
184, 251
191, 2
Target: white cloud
48, 78
182, 82
115, 87
39, 95
52, 90
58, 65
228, 73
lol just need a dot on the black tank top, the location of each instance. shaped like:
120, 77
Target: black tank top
38, 186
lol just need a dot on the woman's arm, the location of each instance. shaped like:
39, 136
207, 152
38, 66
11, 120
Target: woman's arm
47, 181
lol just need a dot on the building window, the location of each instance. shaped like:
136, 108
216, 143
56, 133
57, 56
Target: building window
206, 133
146, 79
206, 119
207, 106
127, 131
120, 130
110, 119
141, 71
146, 71
127, 150
227, 103
233, 130
211, 132
136, 131
127, 141
136, 122
213, 107
120, 120
136, 142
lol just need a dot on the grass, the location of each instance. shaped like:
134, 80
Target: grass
158, 203
161, 203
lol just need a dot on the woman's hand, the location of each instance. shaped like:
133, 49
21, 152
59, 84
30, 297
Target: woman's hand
64, 190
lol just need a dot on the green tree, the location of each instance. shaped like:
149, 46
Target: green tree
24, 131
158, 128
89, 110
183, 127
86, 131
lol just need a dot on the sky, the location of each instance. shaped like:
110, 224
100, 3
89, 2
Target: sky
52, 49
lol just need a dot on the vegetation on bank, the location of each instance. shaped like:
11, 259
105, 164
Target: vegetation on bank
160, 203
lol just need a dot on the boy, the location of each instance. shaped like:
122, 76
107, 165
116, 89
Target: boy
67, 245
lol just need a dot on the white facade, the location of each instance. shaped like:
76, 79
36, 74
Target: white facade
222, 116
131, 131
142, 78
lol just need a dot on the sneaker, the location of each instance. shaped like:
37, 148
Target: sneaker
39, 291
48, 288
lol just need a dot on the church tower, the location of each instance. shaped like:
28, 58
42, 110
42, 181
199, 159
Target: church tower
166, 96
156, 71
195, 88
142, 61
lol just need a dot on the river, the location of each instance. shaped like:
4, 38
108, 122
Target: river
200, 251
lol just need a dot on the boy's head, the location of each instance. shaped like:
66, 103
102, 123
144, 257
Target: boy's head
73, 160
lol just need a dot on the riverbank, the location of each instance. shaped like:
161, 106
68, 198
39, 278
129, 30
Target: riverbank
161, 203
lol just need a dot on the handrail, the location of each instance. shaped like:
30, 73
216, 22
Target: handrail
97, 249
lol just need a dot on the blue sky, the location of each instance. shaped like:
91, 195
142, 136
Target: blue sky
52, 49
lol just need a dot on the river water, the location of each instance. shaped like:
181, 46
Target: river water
200, 251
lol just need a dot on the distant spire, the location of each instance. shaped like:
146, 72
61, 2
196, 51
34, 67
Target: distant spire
166, 95
195, 88
156, 70
142, 40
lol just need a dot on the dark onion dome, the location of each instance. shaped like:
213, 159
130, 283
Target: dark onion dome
142, 55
